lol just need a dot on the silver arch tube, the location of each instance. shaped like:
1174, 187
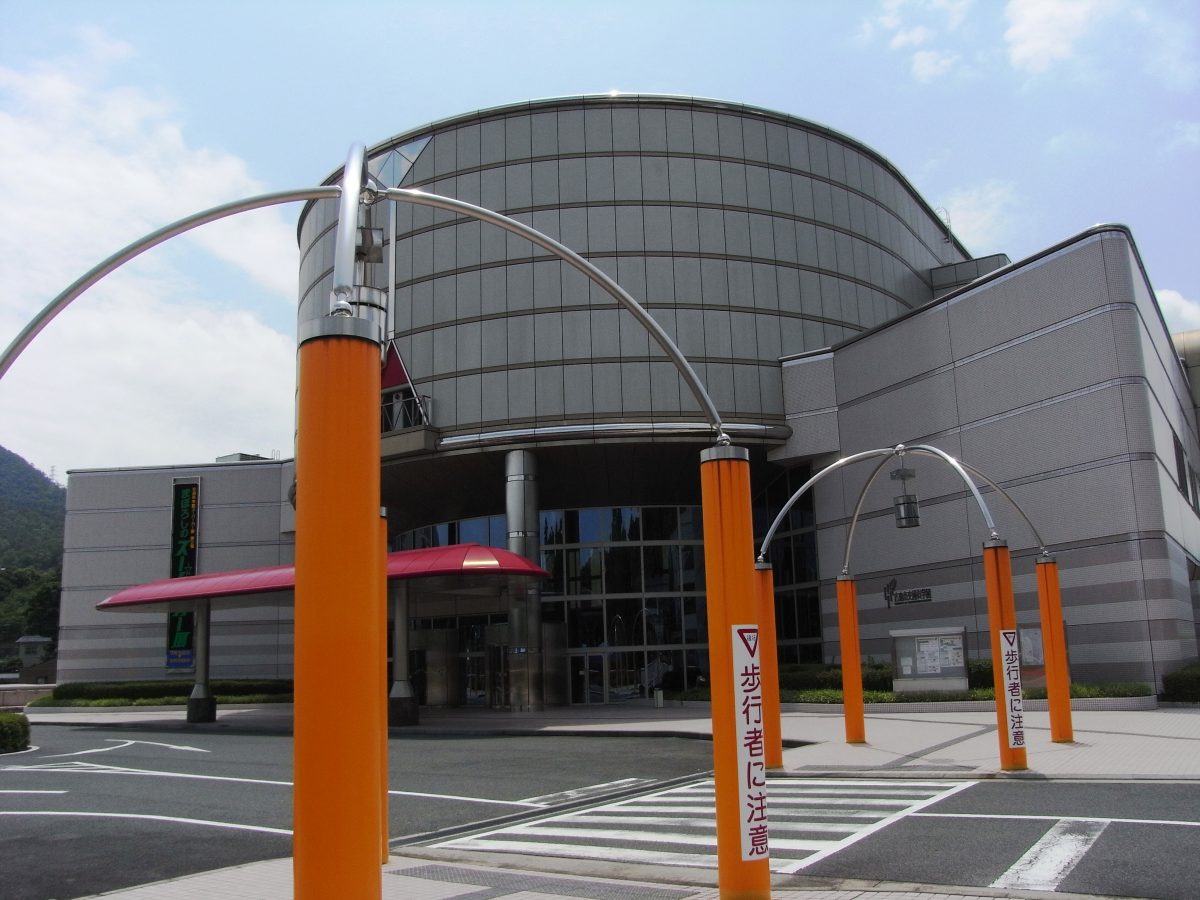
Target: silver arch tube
347, 229
1020, 512
926, 450
93, 275
569, 256
862, 496
832, 467
898, 450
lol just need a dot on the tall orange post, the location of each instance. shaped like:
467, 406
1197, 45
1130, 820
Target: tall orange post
1002, 625
743, 871
852, 689
381, 686
336, 814
1054, 646
772, 718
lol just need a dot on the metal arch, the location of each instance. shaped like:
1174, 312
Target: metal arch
887, 452
569, 256
925, 449
356, 187
353, 177
118, 259
1020, 512
844, 461
862, 496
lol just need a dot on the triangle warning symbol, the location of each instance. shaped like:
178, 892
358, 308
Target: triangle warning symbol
749, 638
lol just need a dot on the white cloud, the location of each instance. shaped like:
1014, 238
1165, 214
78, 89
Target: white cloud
930, 64
148, 366
1042, 33
1184, 134
1181, 313
909, 37
1171, 56
982, 216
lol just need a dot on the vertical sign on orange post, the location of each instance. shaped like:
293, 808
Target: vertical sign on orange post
1002, 617
751, 742
732, 607
1014, 710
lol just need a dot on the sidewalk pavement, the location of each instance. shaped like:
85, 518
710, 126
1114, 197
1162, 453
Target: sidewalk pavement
1154, 744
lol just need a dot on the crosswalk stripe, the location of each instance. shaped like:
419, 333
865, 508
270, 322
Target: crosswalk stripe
808, 821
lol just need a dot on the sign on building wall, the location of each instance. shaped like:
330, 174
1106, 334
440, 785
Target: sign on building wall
751, 746
185, 518
181, 651
1013, 709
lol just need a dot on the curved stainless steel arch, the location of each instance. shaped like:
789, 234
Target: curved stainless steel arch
358, 187
886, 453
569, 256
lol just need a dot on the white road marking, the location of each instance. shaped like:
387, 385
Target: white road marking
33, 792
677, 826
175, 819
1050, 860
467, 799
564, 796
121, 745
871, 829
1032, 818
79, 767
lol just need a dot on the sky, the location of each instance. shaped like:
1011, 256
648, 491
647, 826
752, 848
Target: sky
1025, 121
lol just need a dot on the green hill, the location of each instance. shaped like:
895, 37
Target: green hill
32, 510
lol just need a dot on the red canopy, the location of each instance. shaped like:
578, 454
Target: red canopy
464, 561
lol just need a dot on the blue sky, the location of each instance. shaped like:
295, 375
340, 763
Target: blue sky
1027, 121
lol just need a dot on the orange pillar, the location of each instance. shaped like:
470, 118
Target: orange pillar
1054, 646
382, 686
336, 814
739, 763
852, 689
772, 717
1002, 618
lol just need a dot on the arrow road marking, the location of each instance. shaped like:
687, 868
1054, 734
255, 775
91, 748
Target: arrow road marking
121, 745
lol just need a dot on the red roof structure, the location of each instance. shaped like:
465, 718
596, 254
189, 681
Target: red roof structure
461, 565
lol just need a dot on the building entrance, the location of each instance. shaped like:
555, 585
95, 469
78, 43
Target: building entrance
586, 671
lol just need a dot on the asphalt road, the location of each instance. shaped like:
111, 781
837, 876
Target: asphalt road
1128, 839
94, 809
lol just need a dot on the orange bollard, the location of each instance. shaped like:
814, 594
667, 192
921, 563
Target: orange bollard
1002, 617
1054, 643
743, 871
381, 685
772, 717
852, 689
336, 815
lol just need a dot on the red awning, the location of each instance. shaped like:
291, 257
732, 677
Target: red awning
461, 561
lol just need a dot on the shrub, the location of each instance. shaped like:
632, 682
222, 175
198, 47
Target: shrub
158, 690
979, 673
14, 732
1183, 684
819, 677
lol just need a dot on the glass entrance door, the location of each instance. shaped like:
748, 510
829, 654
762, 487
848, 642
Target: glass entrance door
587, 677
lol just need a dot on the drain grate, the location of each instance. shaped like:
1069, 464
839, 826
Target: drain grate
500, 884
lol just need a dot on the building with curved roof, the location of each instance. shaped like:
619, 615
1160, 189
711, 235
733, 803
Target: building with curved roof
828, 309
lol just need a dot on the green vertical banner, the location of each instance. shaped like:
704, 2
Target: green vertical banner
185, 517
181, 652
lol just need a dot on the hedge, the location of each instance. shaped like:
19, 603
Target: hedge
153, 690
14, 732
820, 677
1183, 684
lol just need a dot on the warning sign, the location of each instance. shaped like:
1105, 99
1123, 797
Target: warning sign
751, 745
1010, 662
